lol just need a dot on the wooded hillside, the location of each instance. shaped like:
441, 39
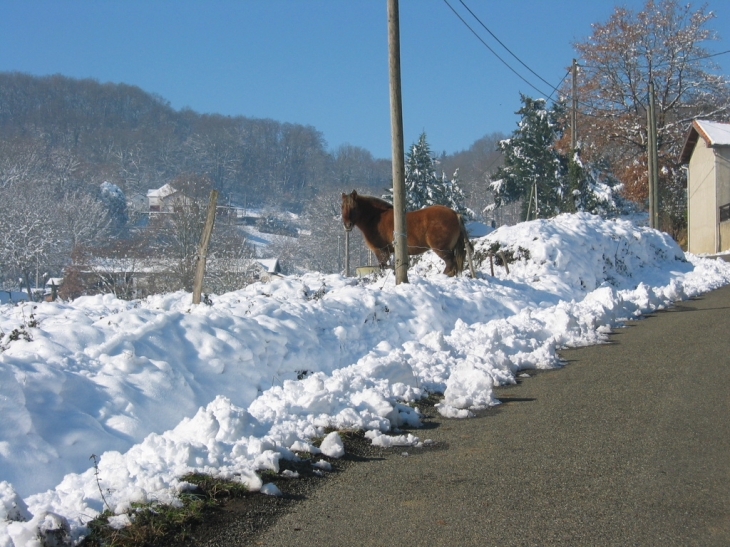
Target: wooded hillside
119, 133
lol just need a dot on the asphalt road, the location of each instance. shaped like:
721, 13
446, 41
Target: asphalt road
628, 444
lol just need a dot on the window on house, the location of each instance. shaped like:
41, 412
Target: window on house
725, 213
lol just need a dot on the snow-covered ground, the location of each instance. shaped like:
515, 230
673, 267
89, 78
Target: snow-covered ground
261, 240
159, 388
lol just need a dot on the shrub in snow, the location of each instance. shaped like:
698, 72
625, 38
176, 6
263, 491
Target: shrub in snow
332, 446
119, 521
55, 530
46, 529
12, 506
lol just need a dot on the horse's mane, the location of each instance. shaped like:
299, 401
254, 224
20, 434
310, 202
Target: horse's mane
376, 203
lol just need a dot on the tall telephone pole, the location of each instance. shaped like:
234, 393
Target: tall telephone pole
652, 157
574, 111
396, 131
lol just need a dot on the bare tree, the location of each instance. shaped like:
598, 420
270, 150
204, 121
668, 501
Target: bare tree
322, 246
354, 167
111, 269
28, 233
81, 220
21, 159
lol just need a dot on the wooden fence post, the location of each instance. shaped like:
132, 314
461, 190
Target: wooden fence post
203, 248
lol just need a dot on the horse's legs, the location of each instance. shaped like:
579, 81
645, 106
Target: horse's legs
450, 260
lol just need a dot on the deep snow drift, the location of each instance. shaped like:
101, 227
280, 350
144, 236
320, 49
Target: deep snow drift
159, 388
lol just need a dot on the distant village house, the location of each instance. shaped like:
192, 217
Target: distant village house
161, 199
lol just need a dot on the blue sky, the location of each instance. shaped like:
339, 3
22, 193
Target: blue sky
317, 62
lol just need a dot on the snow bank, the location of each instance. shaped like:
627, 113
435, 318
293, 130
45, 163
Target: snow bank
158, 388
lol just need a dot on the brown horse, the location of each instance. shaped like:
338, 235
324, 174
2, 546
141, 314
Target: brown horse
436, 227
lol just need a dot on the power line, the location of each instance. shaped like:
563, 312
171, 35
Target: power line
708, 56
560, 82
494, 52
504, 46
554, 88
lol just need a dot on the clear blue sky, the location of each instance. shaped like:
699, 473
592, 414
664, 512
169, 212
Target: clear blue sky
316, 62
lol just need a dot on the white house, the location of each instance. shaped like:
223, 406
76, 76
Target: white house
706, 151
268, 268
159, 199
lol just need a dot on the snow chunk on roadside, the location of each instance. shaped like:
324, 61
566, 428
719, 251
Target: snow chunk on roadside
388, 441
448, 411
332, 446
470, 386
270, 489
321, 464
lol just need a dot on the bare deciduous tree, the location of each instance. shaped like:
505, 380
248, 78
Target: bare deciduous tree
28, 233
81, 219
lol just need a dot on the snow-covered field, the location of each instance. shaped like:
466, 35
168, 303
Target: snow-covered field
159, 388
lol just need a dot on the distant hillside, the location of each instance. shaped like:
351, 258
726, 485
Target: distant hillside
123, 134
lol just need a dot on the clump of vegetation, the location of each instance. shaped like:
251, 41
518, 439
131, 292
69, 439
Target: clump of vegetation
19, 333
158, 524
501, 255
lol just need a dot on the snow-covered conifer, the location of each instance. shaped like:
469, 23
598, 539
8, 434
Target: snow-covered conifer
424, 187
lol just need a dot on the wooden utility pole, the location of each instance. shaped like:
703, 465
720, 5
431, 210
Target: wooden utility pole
203, 247
574, 111
652, 161
400, 238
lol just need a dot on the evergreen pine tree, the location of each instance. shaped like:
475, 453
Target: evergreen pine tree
594, 189
424, 187
116, 203
532, 165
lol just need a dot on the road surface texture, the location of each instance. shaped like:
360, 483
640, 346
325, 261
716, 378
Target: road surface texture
627, 444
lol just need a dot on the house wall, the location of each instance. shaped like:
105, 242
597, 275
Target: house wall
702, 206
725, 236
723, 193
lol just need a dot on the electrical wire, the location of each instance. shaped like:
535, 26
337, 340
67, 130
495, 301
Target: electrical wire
554, 88
494, 52
504, 46
560, 82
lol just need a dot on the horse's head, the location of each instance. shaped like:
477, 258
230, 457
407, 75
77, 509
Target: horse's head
349, 210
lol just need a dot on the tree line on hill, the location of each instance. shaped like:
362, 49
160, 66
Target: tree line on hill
135, 140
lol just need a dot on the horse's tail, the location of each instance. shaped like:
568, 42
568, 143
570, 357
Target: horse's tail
464, 250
